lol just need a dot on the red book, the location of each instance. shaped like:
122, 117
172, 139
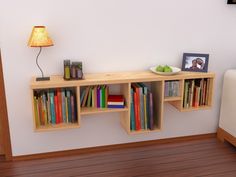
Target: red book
136, 111
59, 98
116, 98
56, 109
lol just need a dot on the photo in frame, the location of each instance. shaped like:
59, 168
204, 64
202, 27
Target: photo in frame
231, 2
195, 62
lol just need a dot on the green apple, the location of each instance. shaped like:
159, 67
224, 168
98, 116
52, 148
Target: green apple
167, 69
160, 68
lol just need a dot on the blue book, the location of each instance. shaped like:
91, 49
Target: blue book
82, 96
52, 107
115, 106
151, 118
132, 116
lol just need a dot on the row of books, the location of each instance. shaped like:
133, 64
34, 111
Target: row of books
141, 113
171, 88
196, 92
54, 106
94, 96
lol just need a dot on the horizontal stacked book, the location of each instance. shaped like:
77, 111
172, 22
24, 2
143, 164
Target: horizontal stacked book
116, 101
55, 106
171, 88
141, 113
196, 92
94, 96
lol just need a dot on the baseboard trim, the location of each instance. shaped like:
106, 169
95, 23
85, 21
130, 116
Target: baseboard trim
112, 147
223, 135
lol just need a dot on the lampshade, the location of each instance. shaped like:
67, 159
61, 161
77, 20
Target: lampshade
39, 37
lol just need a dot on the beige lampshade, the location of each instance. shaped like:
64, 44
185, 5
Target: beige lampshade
39, 37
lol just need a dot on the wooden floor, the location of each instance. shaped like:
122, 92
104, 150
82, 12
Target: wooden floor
206, 157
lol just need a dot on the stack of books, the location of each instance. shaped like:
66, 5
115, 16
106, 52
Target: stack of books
116, 101
171, 88
196, 92
94, 96
55, 106
141, 114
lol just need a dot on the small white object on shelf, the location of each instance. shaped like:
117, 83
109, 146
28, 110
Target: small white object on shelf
175, 70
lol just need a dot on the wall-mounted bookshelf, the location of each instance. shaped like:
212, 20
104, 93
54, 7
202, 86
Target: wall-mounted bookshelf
144, 94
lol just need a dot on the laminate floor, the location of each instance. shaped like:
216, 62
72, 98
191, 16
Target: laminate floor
199, 158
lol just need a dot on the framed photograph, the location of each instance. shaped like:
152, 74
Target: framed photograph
195, 62
231, 2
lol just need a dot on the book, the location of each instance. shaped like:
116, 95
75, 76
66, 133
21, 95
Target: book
52, 107
115, 106
68, 95
132, 114
136, 111
89, 101
85, 96
63, 100
36, 112
116, 98
59, 102
151, 110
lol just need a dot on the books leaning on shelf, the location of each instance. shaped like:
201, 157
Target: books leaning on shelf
196, 92
94, 96
141, 113
171, 88
116, 101
55, 106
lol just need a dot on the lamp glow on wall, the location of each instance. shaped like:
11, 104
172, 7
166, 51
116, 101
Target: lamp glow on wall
39, 38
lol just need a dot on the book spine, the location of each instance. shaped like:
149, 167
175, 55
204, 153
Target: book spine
136, 110
116, 106
63, 106
151, 111
59, 105
49, 108
52, 107
56, 109
132, 114
68, 95
36, 112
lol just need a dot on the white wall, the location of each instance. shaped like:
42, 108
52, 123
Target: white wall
111, 35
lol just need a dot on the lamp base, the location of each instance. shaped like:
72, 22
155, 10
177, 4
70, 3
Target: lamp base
42, 78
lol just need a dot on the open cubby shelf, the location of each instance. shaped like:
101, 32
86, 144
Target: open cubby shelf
187, 91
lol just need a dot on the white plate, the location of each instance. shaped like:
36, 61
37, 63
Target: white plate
174, 71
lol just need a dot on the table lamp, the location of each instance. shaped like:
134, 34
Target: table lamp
39, 38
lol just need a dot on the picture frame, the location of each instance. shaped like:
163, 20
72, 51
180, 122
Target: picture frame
231, 2
195, 62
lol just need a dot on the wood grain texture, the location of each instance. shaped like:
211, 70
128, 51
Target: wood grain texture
4, 131
223, 135
188, 158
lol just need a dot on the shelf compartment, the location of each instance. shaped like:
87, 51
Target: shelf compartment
197, 93
144, 90
55, 108
87, 111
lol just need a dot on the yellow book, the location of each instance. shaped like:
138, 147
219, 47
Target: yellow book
145, 111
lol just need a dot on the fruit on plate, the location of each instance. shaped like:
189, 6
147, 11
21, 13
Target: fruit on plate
160, 68
165, 68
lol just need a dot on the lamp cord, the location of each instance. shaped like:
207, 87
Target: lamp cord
37, 61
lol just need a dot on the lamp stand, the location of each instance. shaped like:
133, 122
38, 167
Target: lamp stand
41, 78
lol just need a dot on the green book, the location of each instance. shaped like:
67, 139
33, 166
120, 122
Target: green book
103, 96
89, 97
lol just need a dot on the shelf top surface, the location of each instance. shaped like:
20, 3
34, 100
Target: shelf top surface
116, 77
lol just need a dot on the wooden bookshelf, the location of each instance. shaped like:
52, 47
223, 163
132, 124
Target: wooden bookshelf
124, 80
